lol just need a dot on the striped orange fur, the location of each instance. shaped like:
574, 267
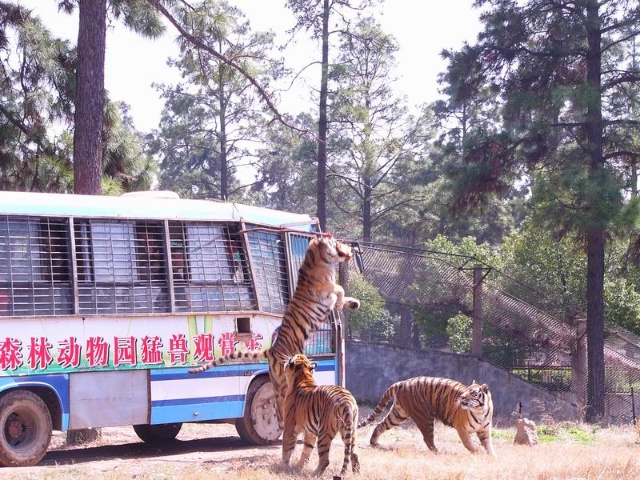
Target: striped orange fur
468, 409
319, 413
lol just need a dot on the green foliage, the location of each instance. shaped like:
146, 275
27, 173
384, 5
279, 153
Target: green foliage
37, 96
286, 179
547, 433
596, 198
372, 321
432, 323
622, 304
502, 434
562, 432
139, 16
565, 89
582, 436
124, 164
40, 81
460, 331
376, 145
555, 269
212, 118
465, 249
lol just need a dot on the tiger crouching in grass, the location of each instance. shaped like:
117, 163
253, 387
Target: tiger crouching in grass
320, 412
426, 399
316, 294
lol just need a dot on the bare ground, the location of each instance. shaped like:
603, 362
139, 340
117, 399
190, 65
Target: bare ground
216, 451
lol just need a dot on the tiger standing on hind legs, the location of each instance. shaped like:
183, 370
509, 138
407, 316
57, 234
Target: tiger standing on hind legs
315, 296
319, 412
468, 409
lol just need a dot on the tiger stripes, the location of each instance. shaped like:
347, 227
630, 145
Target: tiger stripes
320, 413
468, 409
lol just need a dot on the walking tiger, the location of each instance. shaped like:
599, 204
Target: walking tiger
316, 294
468, 409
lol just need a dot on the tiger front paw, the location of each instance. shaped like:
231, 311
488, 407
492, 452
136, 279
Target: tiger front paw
351, 303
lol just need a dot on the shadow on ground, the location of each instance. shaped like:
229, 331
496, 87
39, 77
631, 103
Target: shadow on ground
141, 450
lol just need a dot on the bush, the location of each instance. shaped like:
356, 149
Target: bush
372, 321
460, 331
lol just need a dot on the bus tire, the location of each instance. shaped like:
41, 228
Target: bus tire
163, 432
25, 429
259, 425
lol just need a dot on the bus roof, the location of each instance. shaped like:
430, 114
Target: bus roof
147, 205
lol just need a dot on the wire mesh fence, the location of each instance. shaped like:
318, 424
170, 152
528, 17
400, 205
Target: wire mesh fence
432, 299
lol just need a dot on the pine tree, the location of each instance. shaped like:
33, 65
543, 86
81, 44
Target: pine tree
212, 120
559, 70
314, 16
375, 142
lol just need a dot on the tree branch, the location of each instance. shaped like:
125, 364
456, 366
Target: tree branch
203, 46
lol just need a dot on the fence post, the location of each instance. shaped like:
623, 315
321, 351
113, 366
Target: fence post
579, 361
342, 324
476, 349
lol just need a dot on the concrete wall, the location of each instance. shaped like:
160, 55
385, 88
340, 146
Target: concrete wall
371, 368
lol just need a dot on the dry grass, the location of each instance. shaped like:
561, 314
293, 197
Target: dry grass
565, 452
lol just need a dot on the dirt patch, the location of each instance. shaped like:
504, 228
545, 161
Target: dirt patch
120, 450
120, 453
212, 451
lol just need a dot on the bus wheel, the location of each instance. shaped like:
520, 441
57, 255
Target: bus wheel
25, 424
160, 433
259, 425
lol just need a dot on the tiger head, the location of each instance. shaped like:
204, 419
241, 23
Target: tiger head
476, 397
331, 250
298, 368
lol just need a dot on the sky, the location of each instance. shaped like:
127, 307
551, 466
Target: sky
422, 29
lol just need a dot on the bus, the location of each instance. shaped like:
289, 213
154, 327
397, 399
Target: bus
107, 302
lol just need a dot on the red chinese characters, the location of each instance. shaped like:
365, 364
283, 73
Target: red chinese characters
39, 356
69, 353
204, 347
10, 354
178, 349
40, 353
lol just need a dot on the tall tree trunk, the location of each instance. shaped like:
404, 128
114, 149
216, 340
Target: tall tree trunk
89, 120
87, 138
321, 190
595, 326
366, 211
596, 234
222, 118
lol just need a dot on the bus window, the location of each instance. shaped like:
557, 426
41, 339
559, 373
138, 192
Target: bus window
55, 254
208, 259
270, 269
177, 243
34, 267
150, 257
120, 267
177, 261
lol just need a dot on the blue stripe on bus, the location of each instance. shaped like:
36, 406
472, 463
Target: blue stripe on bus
197, 412
159, 375
326, 366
